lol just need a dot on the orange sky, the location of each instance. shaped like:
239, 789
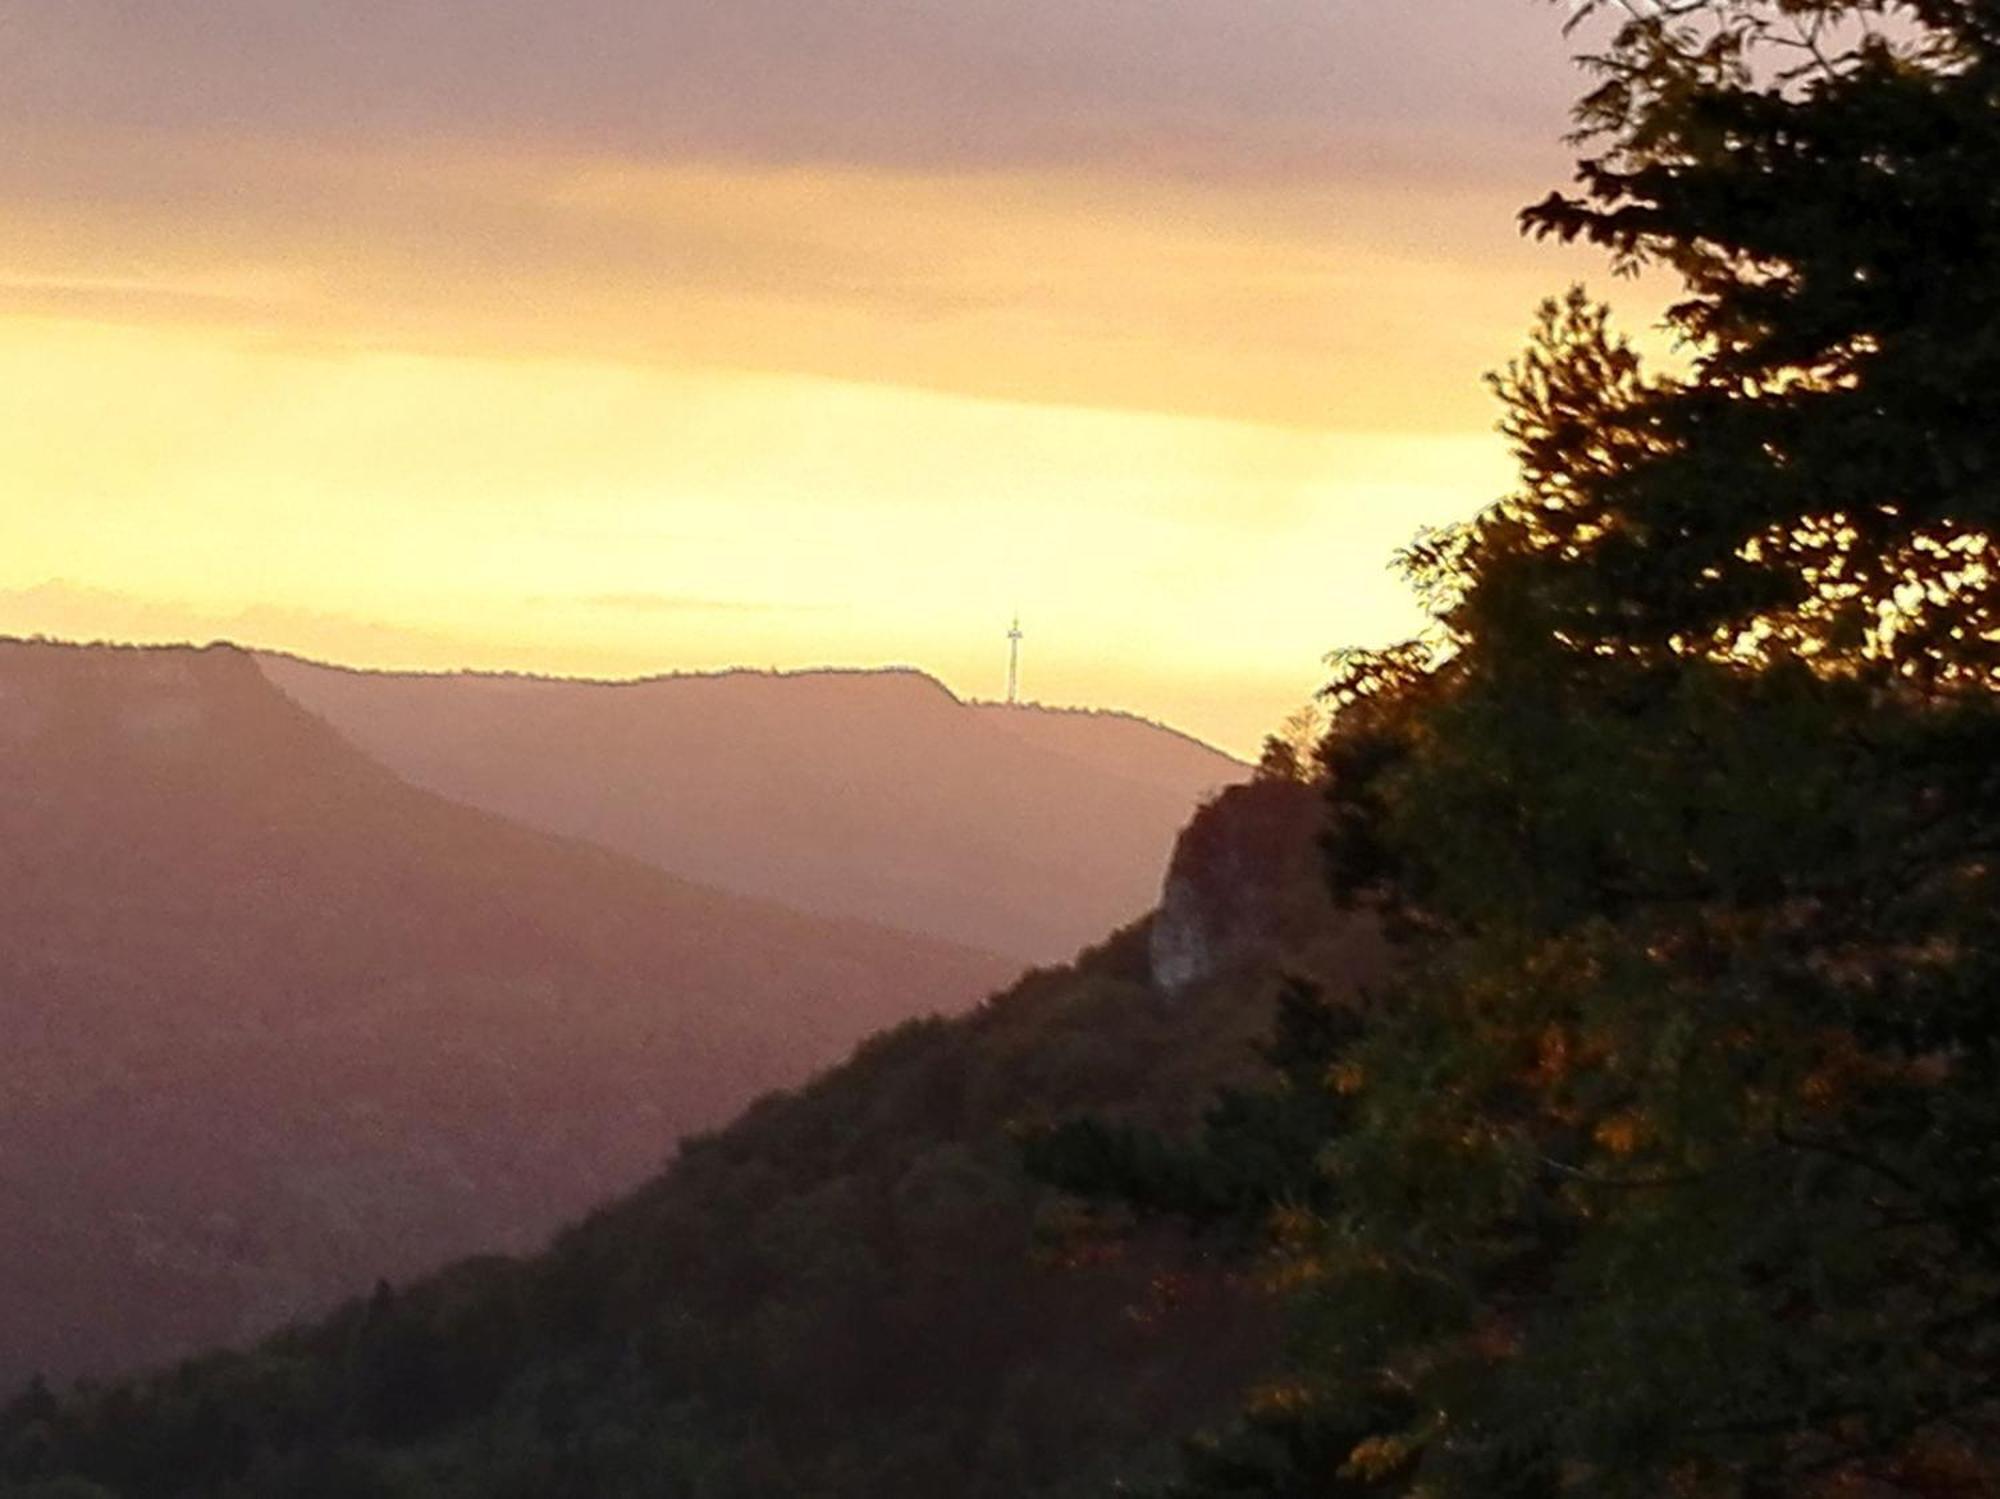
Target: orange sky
664, 337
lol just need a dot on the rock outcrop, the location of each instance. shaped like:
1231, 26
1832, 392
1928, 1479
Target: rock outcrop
1246, 887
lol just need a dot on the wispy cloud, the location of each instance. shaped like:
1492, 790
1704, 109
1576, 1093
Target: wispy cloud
73, 611
1215, 207
676, 603
922, 83
105, 299
1327, 307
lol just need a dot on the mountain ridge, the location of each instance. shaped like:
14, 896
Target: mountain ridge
278, 1019
875, 794
829, 669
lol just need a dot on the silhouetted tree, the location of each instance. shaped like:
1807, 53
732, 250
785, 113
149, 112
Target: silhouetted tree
1672, 1158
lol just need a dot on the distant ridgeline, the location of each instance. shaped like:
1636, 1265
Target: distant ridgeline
876, 795
841, 1294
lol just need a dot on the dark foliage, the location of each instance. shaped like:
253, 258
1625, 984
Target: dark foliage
1669, 1162
1258, 1148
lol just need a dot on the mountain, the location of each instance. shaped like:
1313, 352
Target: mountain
1120, 745
852, 1291
874, 795
277, 1023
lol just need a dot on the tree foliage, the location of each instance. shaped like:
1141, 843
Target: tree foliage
1670, 1162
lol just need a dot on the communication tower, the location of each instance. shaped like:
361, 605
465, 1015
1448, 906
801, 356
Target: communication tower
1014, 663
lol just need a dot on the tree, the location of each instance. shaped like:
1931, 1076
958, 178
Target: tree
1820, 174
1288, 754
1672, 1161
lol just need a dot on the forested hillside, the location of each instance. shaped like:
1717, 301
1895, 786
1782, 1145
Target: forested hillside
855, 1290
276, 1024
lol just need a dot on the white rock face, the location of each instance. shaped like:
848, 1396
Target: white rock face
1180, 948
1243, 882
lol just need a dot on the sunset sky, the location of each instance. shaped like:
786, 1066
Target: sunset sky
621, 336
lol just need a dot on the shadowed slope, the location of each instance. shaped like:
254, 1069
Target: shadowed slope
870, 794
835, 1296
277, 1023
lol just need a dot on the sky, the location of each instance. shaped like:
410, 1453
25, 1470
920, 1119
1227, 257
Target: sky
628, 336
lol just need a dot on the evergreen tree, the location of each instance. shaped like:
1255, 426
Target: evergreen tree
1671, 1163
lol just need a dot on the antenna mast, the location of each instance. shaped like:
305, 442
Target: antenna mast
1014, 663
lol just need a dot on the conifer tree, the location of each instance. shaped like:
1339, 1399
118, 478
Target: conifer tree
1671, 1160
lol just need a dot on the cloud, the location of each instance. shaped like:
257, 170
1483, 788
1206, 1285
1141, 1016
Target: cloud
64, 610
59, 609
1272, 210
128, 300
676, 603
1327, 307
916, 83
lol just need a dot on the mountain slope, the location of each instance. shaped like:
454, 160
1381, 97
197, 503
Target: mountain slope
875, 795
837, 1296
277, 1023
1119, 745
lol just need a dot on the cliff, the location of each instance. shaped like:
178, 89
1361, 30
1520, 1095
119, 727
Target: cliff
1245, 888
